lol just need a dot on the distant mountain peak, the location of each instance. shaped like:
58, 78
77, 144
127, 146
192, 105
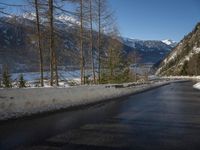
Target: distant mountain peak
152, 50
149, 44
170, 42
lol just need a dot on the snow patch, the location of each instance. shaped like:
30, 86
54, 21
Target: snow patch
63, 18
197, 86
169, 42
197, 78
66, 19
29, 16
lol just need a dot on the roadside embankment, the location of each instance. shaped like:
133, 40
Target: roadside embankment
16, 103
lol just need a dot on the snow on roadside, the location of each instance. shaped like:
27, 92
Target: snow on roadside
197, 86
23, 102
182, 77
196, 78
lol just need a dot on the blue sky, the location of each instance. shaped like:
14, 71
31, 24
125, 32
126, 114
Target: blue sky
154, 19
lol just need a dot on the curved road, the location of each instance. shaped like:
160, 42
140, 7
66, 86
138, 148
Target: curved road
166, 118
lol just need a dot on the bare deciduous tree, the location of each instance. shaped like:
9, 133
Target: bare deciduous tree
53, 59
91, 40
81, 43
39, 42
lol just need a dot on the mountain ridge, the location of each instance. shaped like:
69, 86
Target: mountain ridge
162, 44
18, 45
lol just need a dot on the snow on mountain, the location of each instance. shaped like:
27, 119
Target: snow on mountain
147, 45
170, 42
29, 16
61, 18
66, 19
130, 42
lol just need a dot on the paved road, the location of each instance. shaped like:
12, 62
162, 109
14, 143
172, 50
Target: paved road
166, 118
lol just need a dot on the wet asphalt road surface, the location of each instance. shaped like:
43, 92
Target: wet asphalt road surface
166, 118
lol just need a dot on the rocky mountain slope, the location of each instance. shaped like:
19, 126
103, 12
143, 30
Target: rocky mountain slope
18, 47
185, 57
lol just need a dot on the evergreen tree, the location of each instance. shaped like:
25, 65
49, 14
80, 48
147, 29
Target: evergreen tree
6, 78
22, 82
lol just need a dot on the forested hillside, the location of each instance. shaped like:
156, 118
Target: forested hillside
185, 57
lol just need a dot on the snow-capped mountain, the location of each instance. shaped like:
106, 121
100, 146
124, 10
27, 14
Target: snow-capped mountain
67, 19
170, 42
185, 57
148, 45
29, 16
63, 18
152, 50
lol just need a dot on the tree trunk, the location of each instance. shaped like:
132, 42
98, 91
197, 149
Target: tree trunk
91, 43
111, 64
56, 70
53, 60
135, 61
81, 43
39, 43
99, 40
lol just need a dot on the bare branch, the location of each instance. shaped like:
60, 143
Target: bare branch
12, 5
